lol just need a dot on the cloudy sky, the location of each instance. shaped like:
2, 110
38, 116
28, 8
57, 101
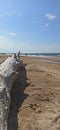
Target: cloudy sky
30, 25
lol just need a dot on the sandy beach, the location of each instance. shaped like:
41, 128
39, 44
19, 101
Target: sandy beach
36, 96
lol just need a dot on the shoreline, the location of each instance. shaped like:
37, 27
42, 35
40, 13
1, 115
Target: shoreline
44, 59
48, 61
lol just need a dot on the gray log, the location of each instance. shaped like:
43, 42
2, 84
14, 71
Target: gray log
8, 73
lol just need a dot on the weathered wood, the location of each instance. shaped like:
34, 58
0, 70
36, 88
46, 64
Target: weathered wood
8, 73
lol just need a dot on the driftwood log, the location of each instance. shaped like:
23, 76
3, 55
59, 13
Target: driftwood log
9, 70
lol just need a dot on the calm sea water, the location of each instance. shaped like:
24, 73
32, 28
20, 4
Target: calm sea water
36, 54
42, 54
48, 55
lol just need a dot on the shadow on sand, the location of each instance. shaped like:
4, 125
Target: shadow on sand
17, 98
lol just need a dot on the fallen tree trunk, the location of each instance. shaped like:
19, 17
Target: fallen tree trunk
8, 73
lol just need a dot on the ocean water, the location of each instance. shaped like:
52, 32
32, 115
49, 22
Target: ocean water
36, 54
42, 54
47, 55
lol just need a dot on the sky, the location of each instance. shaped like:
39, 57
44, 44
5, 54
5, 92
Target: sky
30, 26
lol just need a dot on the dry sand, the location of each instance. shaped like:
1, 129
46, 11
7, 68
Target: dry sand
36, 96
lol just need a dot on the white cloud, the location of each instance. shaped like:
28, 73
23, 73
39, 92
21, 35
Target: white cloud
8, 45
45, 27
50, 16
12, 34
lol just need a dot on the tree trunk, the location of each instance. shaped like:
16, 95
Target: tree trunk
8, 73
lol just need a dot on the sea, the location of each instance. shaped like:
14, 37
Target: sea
41, 54
47, 55
35, 54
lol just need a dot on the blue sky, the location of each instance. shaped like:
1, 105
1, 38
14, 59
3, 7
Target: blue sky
30, 25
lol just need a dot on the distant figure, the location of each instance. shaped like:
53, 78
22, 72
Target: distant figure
18, 55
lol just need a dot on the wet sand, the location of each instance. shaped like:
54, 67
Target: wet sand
36, 96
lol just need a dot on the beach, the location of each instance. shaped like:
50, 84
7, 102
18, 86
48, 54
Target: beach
35, 95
